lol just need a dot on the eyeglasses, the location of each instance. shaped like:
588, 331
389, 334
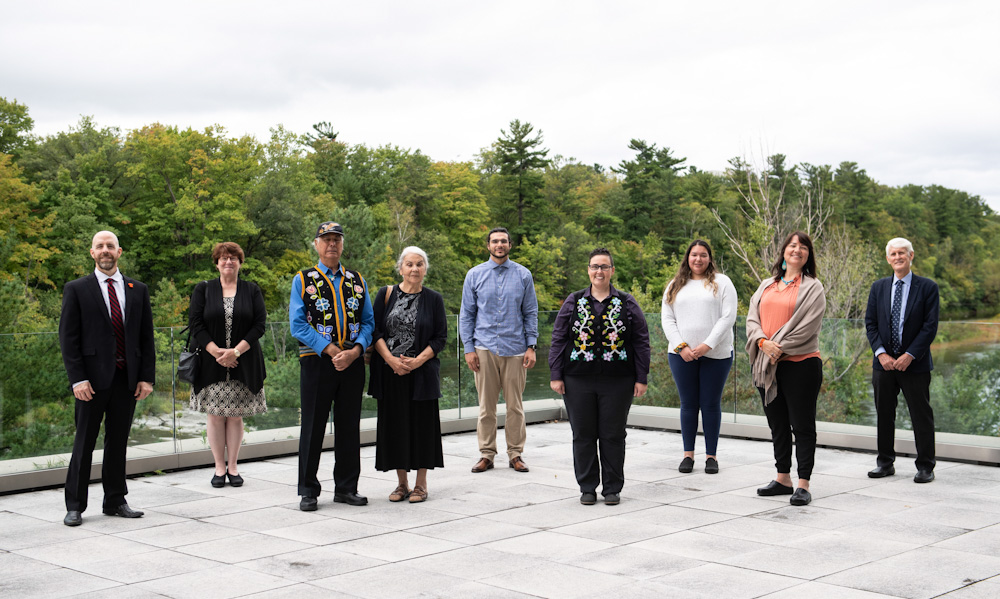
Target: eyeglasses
229, 259
597, 267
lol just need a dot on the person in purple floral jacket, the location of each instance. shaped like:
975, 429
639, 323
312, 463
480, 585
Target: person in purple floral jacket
599, 361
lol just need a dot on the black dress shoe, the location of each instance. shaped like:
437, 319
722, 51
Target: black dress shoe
350, 498
612, 499
687, 465
219, 481
923, 476
882, 471
711, 466
73, 518
124, 511
308, 504
588, 498
774, 488
235, 480
800, 497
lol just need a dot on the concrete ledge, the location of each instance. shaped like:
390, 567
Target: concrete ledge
192, 453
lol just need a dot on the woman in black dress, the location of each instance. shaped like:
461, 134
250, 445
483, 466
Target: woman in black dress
410, 331
227, 320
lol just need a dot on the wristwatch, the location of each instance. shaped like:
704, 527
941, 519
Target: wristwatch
236, 352
533, 347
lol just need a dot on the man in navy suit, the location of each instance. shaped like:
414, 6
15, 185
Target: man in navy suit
901, 322
106, 336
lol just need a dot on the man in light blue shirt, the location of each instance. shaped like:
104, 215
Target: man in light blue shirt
330, 314
498, 324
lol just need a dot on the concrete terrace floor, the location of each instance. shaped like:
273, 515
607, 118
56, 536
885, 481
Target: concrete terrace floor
505, 534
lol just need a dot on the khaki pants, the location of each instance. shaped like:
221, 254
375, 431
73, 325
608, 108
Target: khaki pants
498, 373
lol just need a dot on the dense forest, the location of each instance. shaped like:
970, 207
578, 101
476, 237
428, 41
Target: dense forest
171, 193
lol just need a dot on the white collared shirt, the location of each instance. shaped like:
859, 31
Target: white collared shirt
119, 283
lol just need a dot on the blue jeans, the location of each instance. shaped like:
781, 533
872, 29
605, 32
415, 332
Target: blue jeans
700, 384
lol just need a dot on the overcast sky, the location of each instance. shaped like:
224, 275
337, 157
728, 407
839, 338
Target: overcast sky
908, 90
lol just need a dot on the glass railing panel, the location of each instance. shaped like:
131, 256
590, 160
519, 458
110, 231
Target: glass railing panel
36, 404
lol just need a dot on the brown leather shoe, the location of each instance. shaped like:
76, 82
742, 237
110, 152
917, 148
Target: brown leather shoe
518, 464
482, 465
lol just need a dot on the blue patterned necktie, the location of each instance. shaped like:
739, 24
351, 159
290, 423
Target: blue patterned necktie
894, 319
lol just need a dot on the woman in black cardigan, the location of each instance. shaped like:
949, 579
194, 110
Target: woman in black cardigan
227, 318
410, 331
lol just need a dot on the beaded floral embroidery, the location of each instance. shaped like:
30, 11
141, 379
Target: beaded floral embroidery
614, 328
352, 295
584, 330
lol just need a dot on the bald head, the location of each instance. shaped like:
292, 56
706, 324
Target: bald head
103, 235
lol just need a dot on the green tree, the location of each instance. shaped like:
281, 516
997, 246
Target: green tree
15, 127
653, 188
521, 159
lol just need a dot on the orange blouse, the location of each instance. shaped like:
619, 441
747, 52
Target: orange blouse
777, 304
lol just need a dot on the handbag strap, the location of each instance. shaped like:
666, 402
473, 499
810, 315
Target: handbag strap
187, 343
388, 292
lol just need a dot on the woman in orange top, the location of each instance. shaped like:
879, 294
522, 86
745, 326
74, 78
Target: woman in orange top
783, 325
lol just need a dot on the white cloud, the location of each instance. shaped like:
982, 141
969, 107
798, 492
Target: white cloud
908, 90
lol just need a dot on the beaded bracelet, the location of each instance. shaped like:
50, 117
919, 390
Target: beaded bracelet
680, 347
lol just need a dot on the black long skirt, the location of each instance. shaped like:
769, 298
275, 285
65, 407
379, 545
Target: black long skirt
409, 432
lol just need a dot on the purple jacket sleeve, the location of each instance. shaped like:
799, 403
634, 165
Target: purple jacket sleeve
560, 337
640, 340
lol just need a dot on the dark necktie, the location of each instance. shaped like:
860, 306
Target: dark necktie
894, 319
117, 324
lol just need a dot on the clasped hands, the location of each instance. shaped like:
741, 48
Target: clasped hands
690, 354
772, 349
901, 363
224, 357
342, 358
404, 365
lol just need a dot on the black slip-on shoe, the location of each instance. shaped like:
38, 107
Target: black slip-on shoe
800, 497
774, 488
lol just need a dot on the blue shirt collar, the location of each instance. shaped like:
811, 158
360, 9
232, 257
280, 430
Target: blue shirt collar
906, 280
330, 271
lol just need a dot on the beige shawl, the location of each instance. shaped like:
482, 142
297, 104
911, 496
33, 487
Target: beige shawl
800, 335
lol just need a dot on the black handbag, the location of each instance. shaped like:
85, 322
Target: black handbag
188, 362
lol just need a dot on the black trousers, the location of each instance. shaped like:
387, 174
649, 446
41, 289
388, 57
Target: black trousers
322, 386
916, 389
598, 411
116, 407
793, 412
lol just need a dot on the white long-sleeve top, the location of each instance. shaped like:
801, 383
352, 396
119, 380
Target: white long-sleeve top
698, 315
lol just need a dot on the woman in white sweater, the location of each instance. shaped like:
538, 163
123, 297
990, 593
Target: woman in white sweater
698, 314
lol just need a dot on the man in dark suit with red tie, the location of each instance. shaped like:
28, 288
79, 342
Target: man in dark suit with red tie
901, 322
106, 336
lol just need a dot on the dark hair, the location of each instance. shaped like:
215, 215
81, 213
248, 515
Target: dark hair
684, 273
227, 248
602, 252
497, 230
809, 269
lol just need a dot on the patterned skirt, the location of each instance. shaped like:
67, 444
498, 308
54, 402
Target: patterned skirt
231, 399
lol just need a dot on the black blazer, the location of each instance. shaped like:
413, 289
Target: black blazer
431, 330
88, 341
207, 320
919, 323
